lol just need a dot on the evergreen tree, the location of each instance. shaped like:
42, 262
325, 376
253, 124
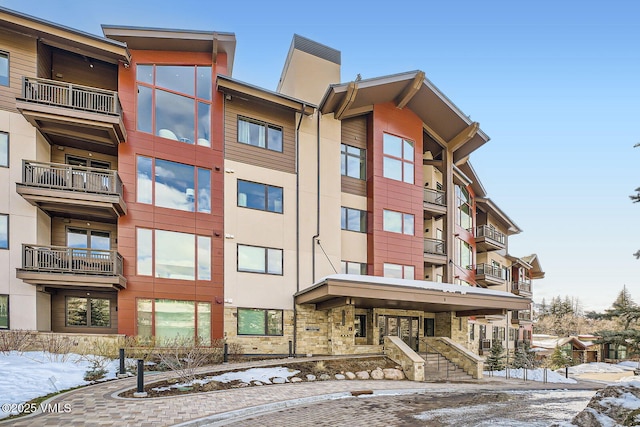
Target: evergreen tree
559, 359
624, 309
495, 360
524, 357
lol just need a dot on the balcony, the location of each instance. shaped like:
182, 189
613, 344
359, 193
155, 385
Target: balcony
435, 203
488, 275
521, 317
489, 239
73, 115
65, 267
521, 288
72, 191
435, 252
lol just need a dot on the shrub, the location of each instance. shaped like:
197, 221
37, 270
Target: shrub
495, 360
98, 369
184, 356
15, 340
56, 347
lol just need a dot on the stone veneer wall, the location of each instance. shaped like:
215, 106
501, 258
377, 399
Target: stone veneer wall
312, 330
450, 326
458, 354
412, 364
258, 344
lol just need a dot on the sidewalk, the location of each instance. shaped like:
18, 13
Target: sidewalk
98, 405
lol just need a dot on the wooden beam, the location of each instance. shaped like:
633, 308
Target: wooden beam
350, 96
482, 312
460, 139
332, 303
410, 90
431, 162
433, 134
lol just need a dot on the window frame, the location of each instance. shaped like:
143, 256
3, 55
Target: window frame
360, 325
403, 159
266, 322
88, 317
266, 126
363, 219
197, 317
8, 159
403, 221
8, 299
344, 267
362, 158
266, 196
8, 235
8, 55
404, 270
266, 260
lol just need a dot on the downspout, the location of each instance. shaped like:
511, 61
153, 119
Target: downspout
295, 311
314, 238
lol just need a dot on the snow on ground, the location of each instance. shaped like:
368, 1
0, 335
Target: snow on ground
532, 375
598, 367
30, 375
630, 364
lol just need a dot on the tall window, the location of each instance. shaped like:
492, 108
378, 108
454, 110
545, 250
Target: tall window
398, 161
4, 311
465, 253
4, 69
353, 220
174, 102
255, 321
463, 202
4, 149
173, 185
180, 256
352, 161
398, 222
169, 319
259, 196
259, 134
350, 267
256, 259
4, 231
360, 325
88, 312
397, 271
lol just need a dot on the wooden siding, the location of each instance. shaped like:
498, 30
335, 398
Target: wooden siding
72, 68
354, 131
257, 156
22, 62
44, 61
59, 230
60, 156
354, 186
58, 311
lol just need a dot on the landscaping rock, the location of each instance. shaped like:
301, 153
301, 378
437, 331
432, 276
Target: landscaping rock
362, 375
393, 374
350, 375
311, 377
613, 405
340, 377
257, 383
377, 374
241, 385
278, 380
295, 379
325, 377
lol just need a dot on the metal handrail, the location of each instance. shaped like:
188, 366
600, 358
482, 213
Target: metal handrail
71, 95
491, 233
71, 260
434, 246
437, 197
68, 177
488, 270
521, 286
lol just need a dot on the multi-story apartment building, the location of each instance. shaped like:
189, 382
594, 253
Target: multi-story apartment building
147, 192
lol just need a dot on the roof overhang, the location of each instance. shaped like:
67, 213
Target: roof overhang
531, 263
167, 39
65, 38
233, 87
381, 292
490, 207
442, 120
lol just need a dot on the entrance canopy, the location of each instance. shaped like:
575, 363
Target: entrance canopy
383, 292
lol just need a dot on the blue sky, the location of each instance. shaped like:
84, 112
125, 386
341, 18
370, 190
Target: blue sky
553, 83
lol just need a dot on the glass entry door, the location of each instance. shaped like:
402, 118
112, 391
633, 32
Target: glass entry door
405, 327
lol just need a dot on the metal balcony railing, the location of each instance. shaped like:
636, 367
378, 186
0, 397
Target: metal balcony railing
70, 95
521, 287
62, 259
434, 246
488, 270
490, 233
437, 197
522, 315
73, 178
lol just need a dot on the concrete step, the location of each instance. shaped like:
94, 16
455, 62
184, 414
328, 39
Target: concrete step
438, 368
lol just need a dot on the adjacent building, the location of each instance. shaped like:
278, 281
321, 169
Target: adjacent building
147, 192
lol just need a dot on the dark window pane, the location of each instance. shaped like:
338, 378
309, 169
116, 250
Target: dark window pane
144, 109
274, 322
4, 69
4, 311
174, 185
204, 190
275, 199
204, 83
4, 149
175, 117
76, 311
251, 133
100, 313
275, 139
144, 184
204, 124
178, 78
251, 195
251, 322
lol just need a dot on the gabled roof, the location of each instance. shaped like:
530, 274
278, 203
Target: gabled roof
531, 263
443, 121
66, 38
